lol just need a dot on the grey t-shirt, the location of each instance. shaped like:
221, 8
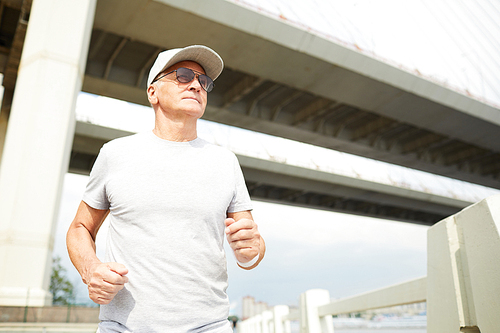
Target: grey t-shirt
168, 202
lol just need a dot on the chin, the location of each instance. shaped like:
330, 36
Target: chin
195, 113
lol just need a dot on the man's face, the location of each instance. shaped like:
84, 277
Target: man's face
181, 99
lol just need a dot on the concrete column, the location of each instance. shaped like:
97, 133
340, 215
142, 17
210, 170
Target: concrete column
310, 321
38, 144
280, 324
3, 118
463, 274
242, 326
446, 296
256, 324
267, 317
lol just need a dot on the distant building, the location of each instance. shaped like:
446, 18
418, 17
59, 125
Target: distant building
248, 307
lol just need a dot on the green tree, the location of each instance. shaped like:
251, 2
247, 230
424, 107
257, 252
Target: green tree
60, 287
233, 319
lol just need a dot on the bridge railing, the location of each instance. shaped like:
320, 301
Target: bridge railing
462, 287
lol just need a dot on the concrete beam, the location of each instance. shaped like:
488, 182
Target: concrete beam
269, 50
300, 49
414, 291
297, 181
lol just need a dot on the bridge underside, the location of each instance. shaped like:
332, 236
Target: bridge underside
283, 81
286, 82
291, 185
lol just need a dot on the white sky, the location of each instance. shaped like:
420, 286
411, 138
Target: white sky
309, 249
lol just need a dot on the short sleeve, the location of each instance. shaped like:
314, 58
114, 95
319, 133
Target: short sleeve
95, 193
241, 199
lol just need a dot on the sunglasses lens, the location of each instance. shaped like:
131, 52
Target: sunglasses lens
185, 75
206, 82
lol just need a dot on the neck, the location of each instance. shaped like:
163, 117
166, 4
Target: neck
175, 130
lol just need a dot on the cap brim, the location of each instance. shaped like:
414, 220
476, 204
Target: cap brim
206, 57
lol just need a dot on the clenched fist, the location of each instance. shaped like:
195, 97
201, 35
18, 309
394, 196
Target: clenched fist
244, 238
105, 281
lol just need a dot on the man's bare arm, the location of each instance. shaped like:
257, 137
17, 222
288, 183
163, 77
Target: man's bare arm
244, 238
104, 280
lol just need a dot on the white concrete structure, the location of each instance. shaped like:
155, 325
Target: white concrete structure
462, 287
267, 324
90, 137
287, 81
281, 325
409, 292
464, 271
37, 145
310, 319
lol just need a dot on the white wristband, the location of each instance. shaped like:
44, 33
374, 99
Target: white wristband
250, 263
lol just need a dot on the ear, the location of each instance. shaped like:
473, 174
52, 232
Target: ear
152, 97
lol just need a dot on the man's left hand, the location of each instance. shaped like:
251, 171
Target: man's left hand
244, 238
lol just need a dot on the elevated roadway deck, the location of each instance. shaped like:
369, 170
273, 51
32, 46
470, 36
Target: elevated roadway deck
288, 82
293, 185
285, 81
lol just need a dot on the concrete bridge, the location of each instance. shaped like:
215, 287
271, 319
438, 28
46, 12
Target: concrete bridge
279, 79
277, 182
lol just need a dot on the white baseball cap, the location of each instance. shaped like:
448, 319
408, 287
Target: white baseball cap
206, 57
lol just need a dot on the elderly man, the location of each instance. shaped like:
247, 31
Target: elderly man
171, 197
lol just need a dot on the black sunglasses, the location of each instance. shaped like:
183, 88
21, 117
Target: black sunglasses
186, 75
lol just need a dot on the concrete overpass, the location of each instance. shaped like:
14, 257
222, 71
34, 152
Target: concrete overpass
279, 80
292, 185
285, 81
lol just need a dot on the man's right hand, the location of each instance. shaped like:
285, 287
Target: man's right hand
105, 280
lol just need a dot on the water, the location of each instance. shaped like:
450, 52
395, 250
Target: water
358, 325
295, 329
370, 330
376, 330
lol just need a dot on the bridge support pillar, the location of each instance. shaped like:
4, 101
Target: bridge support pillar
37, 145
4, 118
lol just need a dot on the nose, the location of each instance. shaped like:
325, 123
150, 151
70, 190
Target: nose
195, 84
